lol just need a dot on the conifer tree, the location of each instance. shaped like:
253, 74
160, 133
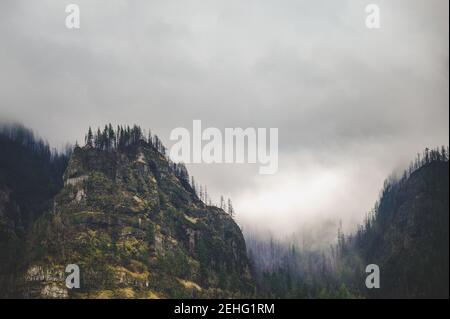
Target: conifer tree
230, 208
222, 203
193, 185
90, 137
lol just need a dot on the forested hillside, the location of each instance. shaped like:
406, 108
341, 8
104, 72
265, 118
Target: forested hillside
406, 235
30, 175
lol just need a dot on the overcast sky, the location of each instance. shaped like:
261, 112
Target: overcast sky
352, 104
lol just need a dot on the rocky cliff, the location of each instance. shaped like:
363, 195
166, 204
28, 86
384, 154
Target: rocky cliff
136, 230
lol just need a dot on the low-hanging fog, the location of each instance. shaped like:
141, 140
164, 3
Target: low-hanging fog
352, 104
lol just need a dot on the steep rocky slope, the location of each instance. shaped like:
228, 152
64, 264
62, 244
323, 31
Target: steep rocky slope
408, 237
136, 230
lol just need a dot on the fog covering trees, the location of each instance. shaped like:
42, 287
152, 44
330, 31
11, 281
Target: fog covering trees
412, 208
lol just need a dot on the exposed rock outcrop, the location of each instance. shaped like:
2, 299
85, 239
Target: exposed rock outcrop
135, 229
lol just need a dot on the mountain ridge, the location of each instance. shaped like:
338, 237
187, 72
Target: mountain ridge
130, 220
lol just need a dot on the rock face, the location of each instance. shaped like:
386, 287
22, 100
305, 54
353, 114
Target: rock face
136, 230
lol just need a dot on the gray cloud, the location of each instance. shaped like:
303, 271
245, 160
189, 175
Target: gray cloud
351, 104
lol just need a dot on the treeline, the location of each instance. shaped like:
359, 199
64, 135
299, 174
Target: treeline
427, 157
25, 138
202, 192
122, 137
30, 170
285, 269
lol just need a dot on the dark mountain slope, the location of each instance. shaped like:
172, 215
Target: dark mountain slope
30, 175
30, 170
408, 236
